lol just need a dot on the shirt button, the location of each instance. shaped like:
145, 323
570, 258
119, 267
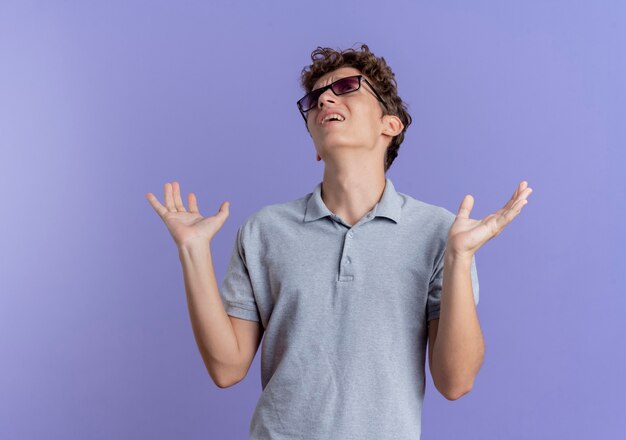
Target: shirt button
350, 234
347, 261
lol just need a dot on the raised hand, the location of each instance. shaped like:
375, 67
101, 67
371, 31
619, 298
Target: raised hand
187, 227
466, 235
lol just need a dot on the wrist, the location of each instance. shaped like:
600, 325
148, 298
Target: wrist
194, 246
458, 258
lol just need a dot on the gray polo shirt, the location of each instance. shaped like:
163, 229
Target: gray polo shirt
344, 310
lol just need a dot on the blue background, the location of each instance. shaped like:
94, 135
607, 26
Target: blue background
103, 102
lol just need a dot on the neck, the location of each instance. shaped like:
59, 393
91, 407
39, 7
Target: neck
352, 191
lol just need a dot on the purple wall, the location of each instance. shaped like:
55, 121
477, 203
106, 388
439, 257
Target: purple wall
102, 103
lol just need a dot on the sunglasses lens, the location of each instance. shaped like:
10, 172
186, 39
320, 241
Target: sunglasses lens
310, 100
346, 85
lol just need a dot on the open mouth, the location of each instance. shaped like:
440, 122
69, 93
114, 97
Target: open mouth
331, 121
332, 117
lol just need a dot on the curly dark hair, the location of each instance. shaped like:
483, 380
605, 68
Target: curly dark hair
326, 59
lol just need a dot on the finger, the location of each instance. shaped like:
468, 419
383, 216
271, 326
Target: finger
466, 206
160, 209
224, 209
515, 195
524, 195
510, 214
177, 199
193, 203
519, 191
169, 200
527, 192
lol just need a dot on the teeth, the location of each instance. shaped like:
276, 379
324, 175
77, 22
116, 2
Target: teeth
333, 115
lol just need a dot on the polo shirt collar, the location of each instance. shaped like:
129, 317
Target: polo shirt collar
389, 205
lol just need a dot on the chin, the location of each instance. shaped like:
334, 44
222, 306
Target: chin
333, 142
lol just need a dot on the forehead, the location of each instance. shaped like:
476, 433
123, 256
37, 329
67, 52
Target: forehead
329, 77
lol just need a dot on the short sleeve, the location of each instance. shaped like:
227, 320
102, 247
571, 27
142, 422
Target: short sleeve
236, 289
436, 284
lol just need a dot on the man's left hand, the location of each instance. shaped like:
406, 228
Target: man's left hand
466, 235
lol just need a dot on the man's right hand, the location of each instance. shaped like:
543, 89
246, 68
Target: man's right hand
187, 227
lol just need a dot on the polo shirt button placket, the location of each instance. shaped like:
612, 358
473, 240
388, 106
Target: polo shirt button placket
345, 269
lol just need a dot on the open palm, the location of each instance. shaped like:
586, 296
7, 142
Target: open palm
187, 226
467, 235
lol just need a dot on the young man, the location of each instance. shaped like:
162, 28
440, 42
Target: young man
347, 283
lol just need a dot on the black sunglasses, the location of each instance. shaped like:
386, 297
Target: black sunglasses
340, 87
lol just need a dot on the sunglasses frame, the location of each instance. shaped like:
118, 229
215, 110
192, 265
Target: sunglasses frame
330, 86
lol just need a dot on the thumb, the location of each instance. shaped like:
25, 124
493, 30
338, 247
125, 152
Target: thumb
224, 209
466, 206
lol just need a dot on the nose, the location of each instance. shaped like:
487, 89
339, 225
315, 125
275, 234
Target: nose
327, 97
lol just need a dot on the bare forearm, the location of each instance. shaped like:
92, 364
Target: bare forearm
213, 331
459, 347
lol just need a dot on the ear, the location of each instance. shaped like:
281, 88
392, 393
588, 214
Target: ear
393, 126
